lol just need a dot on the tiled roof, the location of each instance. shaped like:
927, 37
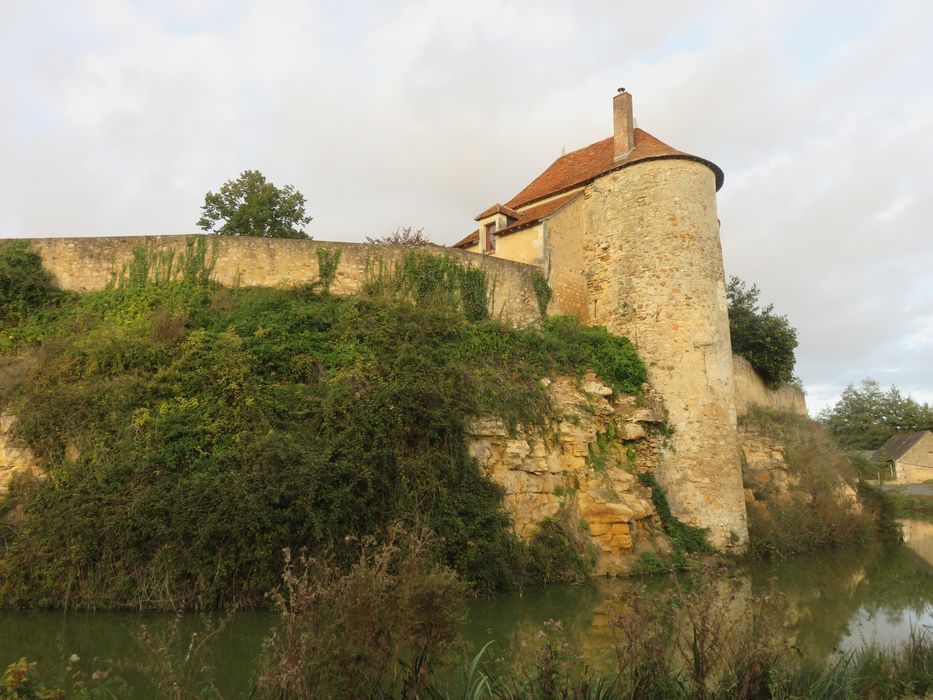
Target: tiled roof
468, 241
573, 170
529, 217
897, 446
579, 167
497, 209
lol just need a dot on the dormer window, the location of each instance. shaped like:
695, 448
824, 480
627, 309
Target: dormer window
490, 237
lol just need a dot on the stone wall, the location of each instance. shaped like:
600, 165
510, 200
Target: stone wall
15, 459
582, 471
90, 264
655, 275
565, 261
750, 391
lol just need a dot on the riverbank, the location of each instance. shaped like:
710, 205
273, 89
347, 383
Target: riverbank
838, 600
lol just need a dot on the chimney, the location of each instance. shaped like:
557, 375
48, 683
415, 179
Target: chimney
623, 133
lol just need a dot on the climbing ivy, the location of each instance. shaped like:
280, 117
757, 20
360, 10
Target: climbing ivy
327, 261
542, 290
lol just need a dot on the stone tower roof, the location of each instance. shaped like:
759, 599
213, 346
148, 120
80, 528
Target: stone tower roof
578, 168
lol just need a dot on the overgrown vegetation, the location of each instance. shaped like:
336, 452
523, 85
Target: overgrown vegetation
905, 505
192, 432
542, 290
25, 286
766, 340
327, 262
553, 557
816, 506
379, 629
685, 539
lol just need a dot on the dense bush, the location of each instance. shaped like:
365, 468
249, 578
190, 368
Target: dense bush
767, 341
192, 433
25, 286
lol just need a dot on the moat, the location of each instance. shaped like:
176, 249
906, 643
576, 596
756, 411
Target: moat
829, 602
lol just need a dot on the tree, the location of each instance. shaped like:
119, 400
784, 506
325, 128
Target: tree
866, 416
767, 341
407, 236
253, 206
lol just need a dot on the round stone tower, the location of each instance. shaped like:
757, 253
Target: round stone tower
655, 274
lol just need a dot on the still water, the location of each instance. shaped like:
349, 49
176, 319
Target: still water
831, 602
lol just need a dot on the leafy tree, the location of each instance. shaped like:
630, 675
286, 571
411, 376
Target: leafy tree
766, 340
866, 416
253, 206
407, 236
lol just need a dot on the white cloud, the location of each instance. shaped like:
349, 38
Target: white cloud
119, 116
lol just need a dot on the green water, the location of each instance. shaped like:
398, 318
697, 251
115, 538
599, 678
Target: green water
837, 600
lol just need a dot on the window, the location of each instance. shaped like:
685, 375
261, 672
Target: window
490, 238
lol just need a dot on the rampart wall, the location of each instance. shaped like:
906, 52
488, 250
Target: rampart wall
90, 264
751, 391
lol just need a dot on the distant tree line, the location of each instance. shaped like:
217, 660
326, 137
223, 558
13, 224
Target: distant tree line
866, 416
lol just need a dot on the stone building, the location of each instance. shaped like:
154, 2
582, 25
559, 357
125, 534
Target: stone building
910, 456
627, 233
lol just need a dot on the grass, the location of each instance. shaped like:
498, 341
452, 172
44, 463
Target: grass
910, 505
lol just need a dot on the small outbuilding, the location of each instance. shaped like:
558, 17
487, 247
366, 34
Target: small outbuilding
909, 455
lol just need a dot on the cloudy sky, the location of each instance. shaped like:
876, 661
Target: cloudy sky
117, 117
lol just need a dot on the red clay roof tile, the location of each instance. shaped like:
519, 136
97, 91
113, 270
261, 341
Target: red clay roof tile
579, 167
497, 209
574, 170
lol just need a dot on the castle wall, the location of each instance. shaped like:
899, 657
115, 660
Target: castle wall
564, 267
525, 246
751, 391
655, 274
90, 264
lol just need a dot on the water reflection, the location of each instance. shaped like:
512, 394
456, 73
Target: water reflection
832, 601
824, 603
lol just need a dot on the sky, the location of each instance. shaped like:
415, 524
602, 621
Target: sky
117, 118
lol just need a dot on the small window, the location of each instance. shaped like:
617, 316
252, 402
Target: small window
490, 238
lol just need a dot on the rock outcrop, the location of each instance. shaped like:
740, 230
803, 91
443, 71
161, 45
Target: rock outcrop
14, 458
582, 470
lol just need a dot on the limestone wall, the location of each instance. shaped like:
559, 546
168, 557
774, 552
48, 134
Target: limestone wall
565, 261
581, 472
89, 264
655, 274
14, 458
750, 391
525, 246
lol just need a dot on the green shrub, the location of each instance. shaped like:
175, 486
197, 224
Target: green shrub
612, 357
25, 286
553, 556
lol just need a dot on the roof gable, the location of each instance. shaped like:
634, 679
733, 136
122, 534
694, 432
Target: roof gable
899, 445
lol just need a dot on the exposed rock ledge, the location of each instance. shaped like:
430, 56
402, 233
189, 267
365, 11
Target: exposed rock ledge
14, 458
581, 471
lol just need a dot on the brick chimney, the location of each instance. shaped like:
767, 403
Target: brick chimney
623, 133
